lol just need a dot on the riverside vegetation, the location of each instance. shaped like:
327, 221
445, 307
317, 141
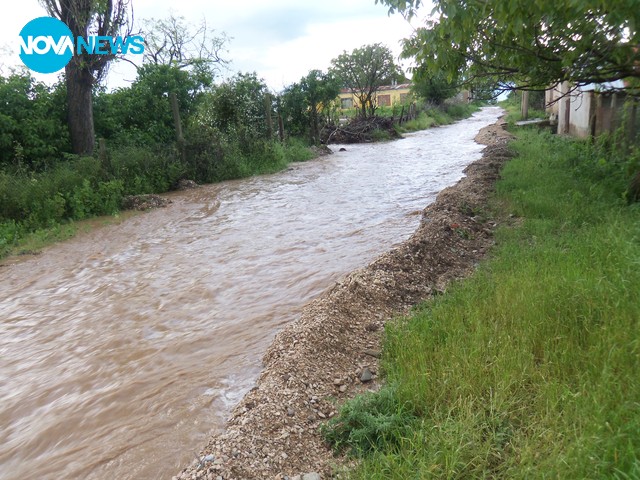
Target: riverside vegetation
527, 369
231, 130
43, 187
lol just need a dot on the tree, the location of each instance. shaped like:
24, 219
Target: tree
141, 113
236, 107
303, 104
292, 105
178, 58
528, 45
433, 87
33, 133
108, 18
364, 71
171, 41
319, 90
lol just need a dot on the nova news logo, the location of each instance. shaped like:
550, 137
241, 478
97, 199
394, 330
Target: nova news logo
47, 45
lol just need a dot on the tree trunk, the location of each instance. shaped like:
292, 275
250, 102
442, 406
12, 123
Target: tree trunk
315, 133
363, 107
280, 128
79, 100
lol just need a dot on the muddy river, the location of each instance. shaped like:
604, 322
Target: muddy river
123, 348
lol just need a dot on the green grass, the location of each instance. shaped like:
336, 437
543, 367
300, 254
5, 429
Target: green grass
436, 116
37, 209
421, 122
32, 242
530, 368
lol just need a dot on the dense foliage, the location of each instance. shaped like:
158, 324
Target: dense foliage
33, 134
432, 87
528, 44
364, 71
228, 130
309, 103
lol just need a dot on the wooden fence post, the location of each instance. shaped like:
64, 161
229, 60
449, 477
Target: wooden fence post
102, 155
175, 109
524, 106
280, 128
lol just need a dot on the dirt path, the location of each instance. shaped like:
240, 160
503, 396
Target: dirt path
326, 356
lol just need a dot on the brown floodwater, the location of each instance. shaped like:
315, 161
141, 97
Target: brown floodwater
122, 349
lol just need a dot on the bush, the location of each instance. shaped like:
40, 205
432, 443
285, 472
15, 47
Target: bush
33, 133
296, 150
74, 190
89, 200
369, 422
145, 170
461, 110
10, 233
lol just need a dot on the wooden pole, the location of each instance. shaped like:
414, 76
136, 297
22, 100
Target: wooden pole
175, 109
524, 106
280, 128
102, 155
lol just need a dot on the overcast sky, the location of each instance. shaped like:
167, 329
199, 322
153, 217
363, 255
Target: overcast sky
281, 40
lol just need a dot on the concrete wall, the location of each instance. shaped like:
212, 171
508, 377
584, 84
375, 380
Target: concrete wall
575, 111
586, 111
581, 114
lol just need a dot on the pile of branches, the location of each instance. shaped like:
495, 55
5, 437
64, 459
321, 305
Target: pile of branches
358, 130
144, 202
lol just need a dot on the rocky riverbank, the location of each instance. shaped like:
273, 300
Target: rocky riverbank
331, 352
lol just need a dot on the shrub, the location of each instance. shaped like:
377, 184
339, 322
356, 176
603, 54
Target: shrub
10, 233
146, 170
369, 422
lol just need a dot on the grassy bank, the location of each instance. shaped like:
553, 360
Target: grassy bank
528, 369
436, 116
428, 116
39, 208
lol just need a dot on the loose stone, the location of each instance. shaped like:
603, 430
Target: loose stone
311, 476
372, 353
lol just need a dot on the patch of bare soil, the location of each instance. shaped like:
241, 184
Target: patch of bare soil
331, 352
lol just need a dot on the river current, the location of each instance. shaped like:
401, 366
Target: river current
123, 348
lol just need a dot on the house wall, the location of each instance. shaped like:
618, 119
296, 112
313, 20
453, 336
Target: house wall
396, 95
